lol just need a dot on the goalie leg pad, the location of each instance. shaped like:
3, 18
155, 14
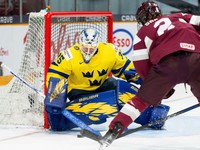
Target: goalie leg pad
91, 109
151, 114
59, 123
94, 108
125, 92
55, 100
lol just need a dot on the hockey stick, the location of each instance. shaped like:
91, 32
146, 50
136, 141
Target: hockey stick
90, 135
22, 80
159, 120
65, 112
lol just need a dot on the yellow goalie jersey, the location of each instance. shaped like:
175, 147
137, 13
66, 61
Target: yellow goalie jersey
89, 76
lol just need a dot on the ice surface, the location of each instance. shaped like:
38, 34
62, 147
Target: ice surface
180, 133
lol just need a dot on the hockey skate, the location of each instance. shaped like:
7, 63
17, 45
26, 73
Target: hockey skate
110, 136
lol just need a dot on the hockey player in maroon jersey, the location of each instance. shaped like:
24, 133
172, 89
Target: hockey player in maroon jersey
166, 53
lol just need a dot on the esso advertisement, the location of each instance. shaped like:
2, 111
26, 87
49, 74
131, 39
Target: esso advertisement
123, 37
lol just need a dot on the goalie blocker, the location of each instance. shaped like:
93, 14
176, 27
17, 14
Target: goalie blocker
95, 108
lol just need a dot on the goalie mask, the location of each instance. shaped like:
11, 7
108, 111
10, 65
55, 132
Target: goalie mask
89, 40
147, 11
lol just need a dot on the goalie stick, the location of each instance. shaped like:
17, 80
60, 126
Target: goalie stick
104, 143
65, 112
22, 80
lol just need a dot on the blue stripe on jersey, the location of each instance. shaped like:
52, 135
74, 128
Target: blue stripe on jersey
121, 70
59, 73
124, 68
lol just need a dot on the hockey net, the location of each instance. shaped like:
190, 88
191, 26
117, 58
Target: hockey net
48, 34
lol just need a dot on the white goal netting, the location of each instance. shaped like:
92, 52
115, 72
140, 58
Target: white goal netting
48, 34
19, 104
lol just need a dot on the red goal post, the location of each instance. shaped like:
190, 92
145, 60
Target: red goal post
62, 29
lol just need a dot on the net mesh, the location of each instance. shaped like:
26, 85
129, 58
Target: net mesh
19, 104
65, 31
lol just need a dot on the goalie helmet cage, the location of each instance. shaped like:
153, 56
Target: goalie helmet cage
48, 34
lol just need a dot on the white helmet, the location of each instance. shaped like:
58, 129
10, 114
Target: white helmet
89, 40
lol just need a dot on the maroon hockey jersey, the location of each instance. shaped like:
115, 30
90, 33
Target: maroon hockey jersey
165, 35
